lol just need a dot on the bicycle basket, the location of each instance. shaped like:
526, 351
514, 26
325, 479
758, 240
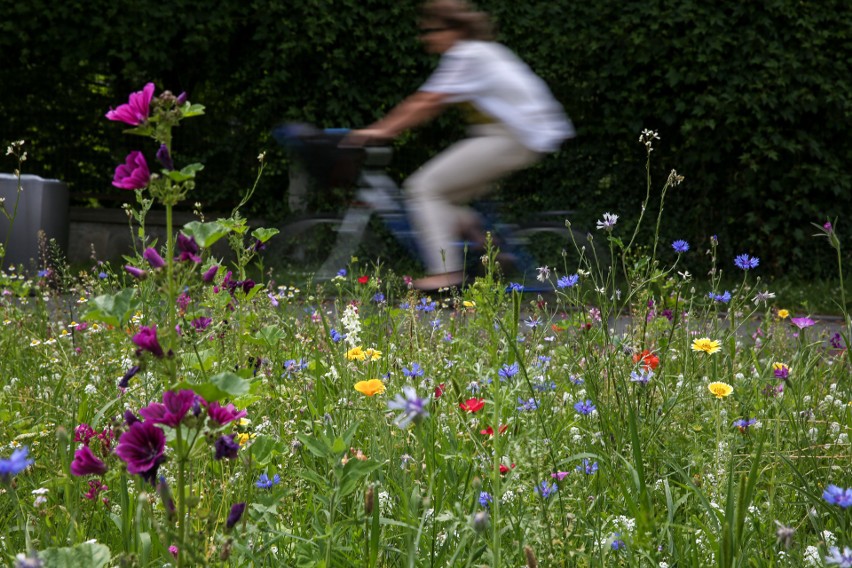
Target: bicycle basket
319, 152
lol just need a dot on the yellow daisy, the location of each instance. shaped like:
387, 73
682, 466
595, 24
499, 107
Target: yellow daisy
373, 354
720, 390
371, 387
356, 353
783, 314
706, 345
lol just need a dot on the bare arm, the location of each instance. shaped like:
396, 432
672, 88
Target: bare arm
413, 111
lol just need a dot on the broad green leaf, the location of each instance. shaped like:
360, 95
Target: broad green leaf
207, 358
338, 446
189, 110
221, 386
263, 234
264, 449
205, 234
317, 447
186, 173
86, 555
113, 309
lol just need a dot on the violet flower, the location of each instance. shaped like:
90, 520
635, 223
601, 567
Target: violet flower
224, 414
135, 272
153, 258
133, 173
86, 463
188, 249
235, 515
201, 323
146, 340
165, 157
171, 411
210, 273
226, 447
141, 447
125, 380
802, 323
137, 109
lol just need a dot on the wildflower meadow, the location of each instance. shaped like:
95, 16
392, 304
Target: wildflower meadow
180, 410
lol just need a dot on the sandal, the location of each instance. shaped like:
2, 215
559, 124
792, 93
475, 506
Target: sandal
435, 282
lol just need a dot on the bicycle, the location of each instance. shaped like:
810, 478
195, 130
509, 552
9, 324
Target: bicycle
322, 244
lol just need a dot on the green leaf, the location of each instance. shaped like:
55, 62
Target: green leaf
316, 446
339, 446
269, 336
186, 173
86, 555
221, 386
203, 361
113, 309
189, 110
205, 234
262, 234
264, 449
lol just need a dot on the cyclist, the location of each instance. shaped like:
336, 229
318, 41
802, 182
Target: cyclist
514, 121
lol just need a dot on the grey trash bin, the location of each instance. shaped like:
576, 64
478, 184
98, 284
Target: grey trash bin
43, 206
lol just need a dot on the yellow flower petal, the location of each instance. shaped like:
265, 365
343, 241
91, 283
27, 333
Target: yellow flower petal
720, 390
706, 345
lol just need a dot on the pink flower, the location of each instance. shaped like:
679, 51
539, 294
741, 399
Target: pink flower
560, 475
86, 463
224, 414
802, 323
133, 173
171, 411
136, 111
146, 340
141, 447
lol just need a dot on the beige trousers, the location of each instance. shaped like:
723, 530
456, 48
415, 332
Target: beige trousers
437, 192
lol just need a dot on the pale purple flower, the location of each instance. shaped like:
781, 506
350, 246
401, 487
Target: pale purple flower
135, 272
210, 273
802, 323
165, 157
188, 249
413, 407
842, 559
235, 515
608, 222
224, 414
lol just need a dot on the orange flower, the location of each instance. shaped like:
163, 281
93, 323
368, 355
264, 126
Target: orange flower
649, 361
371, 387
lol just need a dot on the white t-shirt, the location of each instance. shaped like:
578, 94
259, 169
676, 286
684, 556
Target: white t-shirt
493, 79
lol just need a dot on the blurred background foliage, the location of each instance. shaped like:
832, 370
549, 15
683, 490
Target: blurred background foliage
752, 101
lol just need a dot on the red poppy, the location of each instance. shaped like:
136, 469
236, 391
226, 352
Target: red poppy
505, 469
363, 279
473, 404
490, 431
649, 360
439, 390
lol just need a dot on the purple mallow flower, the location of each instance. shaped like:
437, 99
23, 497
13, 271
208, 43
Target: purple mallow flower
125, 380
153, 258
187, 249
146, 340
133, 173
210, 273
835, 495
746, 262
224, 414
136, 111
235, 515
86, 463
135, 272
141, 447
165, 157
171, 411
413, 407
226, 447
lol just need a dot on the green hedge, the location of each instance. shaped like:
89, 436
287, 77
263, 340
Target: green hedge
752, 100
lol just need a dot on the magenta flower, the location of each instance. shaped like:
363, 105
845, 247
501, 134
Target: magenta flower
224, 414
133, 173
136, 111
171, 411
86, 463
153, 258
802, 323
146, 340
135, 272
141, 448
188, 249
210, 273
201, 323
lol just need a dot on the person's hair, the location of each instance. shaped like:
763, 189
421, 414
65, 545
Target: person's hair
458, 14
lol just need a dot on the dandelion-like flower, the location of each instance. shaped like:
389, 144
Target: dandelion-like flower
608, 222
706, 345
720, 390
371, 387
356, 354
783, 314
746, 262
413, 407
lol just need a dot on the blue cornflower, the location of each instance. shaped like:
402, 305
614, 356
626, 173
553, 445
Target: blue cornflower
544, 386
337, 336
568, 281
43, 273
413, 407
835, 495
415, 371
642, 376
545, 489
379, 298
543, 361
746, 262
515, 287
435, 323
532, 322
425, 305
744, 423
842, 559
680, 246
16, 463
508, 371
576, 380
263, 482
292, 366
587, 467
404, 306
585, 407
527, 405
342, 272
103, 275
723, 298
485, 498
617, 543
